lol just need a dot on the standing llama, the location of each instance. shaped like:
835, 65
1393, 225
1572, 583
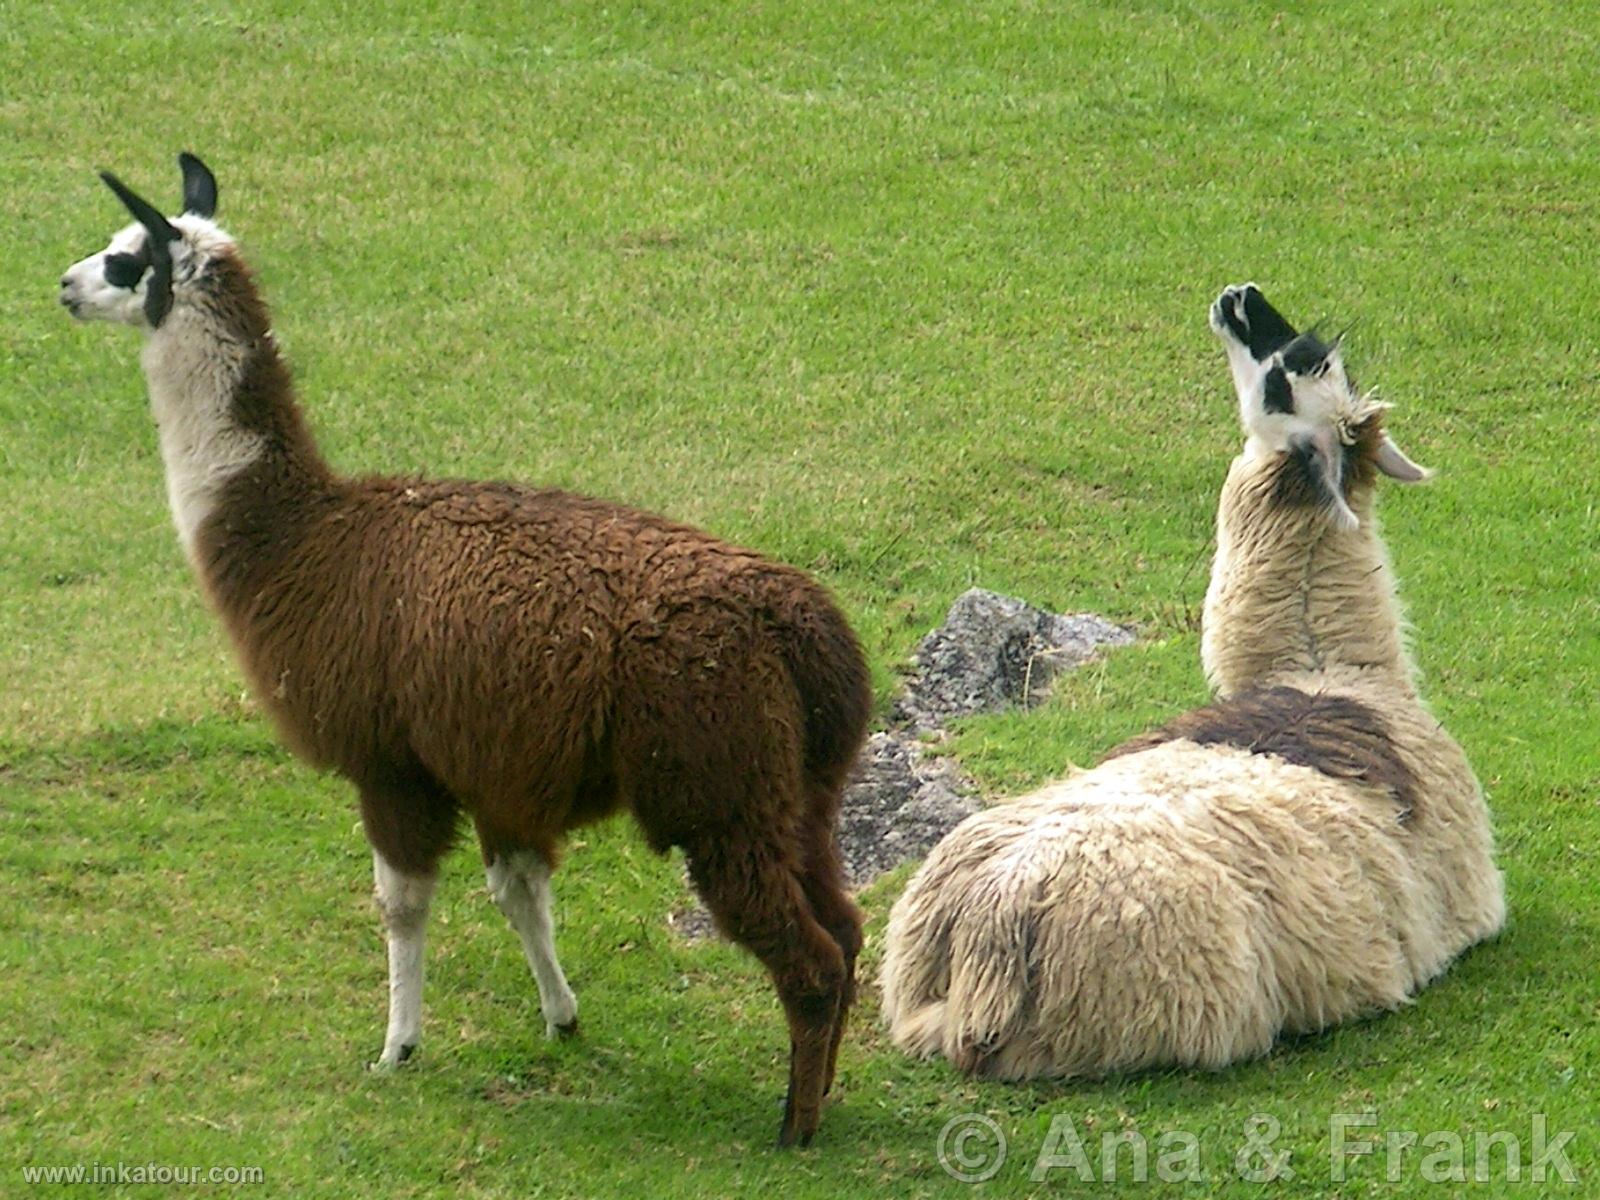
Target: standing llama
532, 659
1309, 847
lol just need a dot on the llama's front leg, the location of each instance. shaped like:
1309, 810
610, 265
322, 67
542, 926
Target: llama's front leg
403, 901
519, 881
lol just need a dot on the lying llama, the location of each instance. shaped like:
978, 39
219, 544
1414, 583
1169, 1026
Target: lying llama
532, 659
1309, 847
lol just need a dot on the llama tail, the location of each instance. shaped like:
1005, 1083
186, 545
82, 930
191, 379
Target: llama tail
915, 976
990, 987
831, 677
959, 954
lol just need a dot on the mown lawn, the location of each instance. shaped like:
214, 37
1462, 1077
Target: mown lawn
911, 295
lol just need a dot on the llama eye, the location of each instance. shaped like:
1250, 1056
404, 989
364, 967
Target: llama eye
124, 270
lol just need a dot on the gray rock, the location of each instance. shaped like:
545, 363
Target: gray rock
900, 802
994, 651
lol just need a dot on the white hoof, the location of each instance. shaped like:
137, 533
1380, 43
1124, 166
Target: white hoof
562, 1021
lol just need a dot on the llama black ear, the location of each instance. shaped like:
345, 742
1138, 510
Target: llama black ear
144, 212
1308, 354
199, 186
160, 236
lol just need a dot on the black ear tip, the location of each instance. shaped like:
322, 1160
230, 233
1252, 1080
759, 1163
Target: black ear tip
199, 186
123, 191
191, 163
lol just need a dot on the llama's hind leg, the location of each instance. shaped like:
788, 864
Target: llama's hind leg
824, 883
519, 881
758, 901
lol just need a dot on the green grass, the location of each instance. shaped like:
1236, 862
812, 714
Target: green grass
910, 295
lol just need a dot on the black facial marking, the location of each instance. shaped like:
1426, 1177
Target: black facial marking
125, 270
1333, 734
1266, 328
1230, 318
158, 245
1276, 395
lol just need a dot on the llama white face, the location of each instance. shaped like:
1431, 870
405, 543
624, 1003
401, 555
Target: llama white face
1290, 384
110, 286
147, 266
115, 284
1295, 395
154, 270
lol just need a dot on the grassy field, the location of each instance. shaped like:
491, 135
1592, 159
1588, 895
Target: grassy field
910, 295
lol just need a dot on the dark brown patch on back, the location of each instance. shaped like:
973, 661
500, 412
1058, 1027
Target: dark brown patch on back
1336, 735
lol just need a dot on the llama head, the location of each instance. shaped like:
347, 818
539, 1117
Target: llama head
1296, 400
150, 266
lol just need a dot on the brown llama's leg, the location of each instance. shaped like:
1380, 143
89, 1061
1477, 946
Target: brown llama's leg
823, 878
519, 882
710, 758
410, 823
758, 901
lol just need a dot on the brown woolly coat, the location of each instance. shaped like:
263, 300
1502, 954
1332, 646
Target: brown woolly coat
533, 657
527, 658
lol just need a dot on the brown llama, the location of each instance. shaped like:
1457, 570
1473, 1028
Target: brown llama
532, 659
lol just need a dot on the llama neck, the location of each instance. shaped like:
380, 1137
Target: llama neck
224, 407
1291, 591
